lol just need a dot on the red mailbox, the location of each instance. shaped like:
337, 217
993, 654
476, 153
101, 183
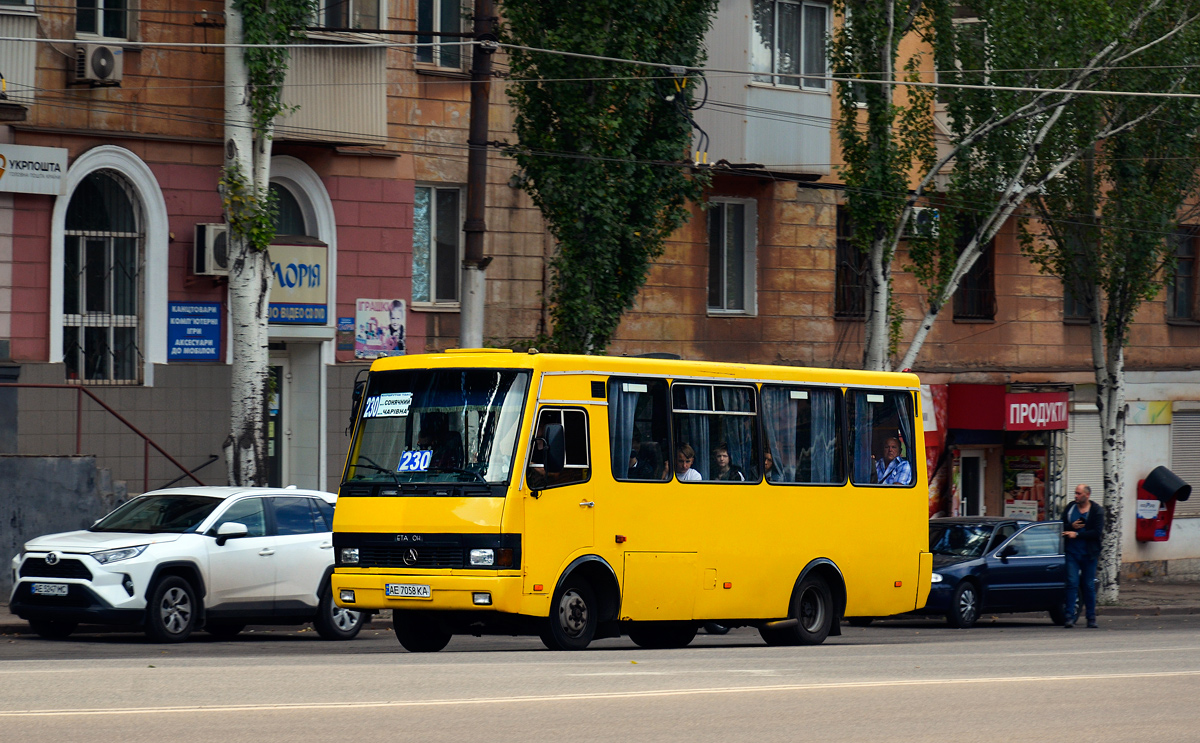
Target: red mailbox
1153, 516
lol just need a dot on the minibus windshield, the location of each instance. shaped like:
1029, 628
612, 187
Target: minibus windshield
438, 426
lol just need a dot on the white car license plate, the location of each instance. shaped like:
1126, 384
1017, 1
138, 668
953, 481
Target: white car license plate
50, 589
407, 591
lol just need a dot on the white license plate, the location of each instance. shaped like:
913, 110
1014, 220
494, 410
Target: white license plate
50, 589
407, 591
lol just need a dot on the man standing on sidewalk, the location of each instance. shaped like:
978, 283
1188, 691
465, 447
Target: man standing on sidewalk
1083, 526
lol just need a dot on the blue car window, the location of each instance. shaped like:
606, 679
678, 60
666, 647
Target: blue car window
1038, 541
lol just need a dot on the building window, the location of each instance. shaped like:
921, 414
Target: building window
1181, 289
102, 281
108, 18
356, 14
445, 16
975, 298
852, 279
789, 41
1074, 309
437, 244
732, 225
289, 217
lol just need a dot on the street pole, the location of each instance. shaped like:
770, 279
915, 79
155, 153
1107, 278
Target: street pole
474, 280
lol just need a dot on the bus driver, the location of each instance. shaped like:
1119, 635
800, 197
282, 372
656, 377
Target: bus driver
893, 470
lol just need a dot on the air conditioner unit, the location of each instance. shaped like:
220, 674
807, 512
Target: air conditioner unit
211, 257
922, 223
97, 64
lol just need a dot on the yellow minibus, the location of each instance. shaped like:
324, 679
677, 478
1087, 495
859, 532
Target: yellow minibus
583, 497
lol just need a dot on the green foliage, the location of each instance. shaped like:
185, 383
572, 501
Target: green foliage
602, 146
276, 23
251, 214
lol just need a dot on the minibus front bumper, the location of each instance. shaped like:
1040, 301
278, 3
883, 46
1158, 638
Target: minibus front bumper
427, 591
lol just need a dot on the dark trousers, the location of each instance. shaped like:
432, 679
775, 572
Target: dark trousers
1081, 574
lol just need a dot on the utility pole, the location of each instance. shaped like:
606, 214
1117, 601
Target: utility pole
474, 281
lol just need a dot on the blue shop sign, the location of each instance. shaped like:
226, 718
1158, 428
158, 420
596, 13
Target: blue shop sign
194, 331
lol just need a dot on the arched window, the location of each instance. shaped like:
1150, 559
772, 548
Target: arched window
102, 281
289, 219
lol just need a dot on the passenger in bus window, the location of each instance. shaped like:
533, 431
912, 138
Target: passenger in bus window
685, 455
770, 474
893, 469
725, 469
647, 464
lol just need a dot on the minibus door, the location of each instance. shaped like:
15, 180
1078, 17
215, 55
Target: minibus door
558, 505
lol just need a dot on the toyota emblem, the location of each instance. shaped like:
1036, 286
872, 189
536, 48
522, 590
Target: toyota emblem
410, 557
52, 558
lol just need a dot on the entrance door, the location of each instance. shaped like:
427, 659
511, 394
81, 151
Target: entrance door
278, 434
971, 466
558, 507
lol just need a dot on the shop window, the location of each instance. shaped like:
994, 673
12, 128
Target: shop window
881, 430
732, 264
289, 217
575, 433
445, 16
639, 423
437, 245
850, 299
102, 274
789, 42
802, 428
107, 18
1181, 289
716, 427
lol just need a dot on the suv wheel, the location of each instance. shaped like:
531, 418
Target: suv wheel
171, 615
334, 622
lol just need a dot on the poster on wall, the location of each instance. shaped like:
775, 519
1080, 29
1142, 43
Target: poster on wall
1025, 483
379, 328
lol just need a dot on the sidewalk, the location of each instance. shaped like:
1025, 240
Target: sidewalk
1138, 598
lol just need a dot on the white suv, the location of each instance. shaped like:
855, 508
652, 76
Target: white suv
177, 560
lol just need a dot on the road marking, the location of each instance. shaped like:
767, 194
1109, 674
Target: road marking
584, 697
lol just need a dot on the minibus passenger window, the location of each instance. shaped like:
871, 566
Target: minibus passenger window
575, 432
803, 433
881, 430
638, 425
716, 429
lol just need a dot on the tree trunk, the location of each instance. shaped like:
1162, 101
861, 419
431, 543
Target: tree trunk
1109, 362
249, 275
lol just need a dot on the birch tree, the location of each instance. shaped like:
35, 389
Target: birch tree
1107, 227
1021, 67
257, 33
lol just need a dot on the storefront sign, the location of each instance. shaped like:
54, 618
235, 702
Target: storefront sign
1149, 413
1035, 411
25, 169
194, 331
299, 291
379, 328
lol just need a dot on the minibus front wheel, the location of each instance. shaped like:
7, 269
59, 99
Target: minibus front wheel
419, 631
574, 615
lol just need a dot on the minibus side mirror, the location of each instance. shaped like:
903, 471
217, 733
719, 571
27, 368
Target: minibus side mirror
360, 385
556, 449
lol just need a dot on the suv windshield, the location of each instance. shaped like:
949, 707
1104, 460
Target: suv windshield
438, 425
159, 513
959, 540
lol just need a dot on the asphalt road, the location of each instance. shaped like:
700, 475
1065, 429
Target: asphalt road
1014, 680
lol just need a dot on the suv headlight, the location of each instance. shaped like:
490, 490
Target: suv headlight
937, 578
124, 553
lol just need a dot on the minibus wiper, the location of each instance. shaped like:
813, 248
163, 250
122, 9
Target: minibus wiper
377, 468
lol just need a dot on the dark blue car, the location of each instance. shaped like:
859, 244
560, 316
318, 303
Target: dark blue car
983, 564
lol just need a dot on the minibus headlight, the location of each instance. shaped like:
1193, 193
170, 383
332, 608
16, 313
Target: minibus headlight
350, 555
481, 598
937, 578
346, 595
483, 557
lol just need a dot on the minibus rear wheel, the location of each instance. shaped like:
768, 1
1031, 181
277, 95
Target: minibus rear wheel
574, 615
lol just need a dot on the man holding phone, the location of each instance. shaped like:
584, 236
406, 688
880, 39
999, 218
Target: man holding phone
1083, 527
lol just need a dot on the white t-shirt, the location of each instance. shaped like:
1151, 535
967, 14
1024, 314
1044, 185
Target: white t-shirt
690, 476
